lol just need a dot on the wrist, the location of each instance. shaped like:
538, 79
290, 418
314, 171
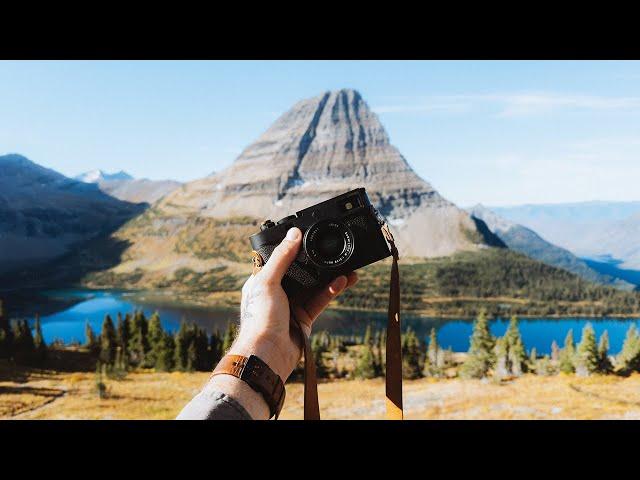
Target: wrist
281, 356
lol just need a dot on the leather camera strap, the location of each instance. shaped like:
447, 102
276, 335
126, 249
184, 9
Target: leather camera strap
393, 346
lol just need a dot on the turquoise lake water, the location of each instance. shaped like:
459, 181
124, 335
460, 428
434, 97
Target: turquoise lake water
87, 305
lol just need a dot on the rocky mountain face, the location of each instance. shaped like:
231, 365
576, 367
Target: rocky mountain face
44, 214
321, 147
528, 242
124, 187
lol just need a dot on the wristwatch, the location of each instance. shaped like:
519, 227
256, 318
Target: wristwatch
258, 376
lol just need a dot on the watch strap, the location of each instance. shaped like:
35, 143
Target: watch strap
258, 376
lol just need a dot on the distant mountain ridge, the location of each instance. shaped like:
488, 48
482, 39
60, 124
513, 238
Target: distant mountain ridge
595, 230
528, 242
124, 187
95, 176
44, 214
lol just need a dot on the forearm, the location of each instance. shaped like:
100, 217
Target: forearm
222, 395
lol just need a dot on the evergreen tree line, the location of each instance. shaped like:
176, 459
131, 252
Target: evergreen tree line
132, 342
506, 356
137, 342
19, 343
367, 359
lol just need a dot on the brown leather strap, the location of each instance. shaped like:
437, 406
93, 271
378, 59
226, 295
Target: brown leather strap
258, 376
311, 403
394, 344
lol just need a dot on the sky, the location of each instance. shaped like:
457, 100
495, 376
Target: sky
491, 132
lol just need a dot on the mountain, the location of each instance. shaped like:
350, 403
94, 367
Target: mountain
608, 232
197, 235
324, 146
44, 214
124, 187
526, 241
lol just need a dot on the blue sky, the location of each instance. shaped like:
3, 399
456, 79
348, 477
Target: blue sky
500, 133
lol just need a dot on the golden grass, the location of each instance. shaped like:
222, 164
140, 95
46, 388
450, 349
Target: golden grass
155, 395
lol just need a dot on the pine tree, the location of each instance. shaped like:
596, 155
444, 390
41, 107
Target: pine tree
23, 345
433, 359
181, 341
380, 348
108, 343
501, 351
567, 354
555, 351
138, 345
6, 335
90, 339
367, 339
587, 359
201, 342
532, 362
516, 355
629, 357
480, 358
432, 351
229, 336
412, 355
155, 337
164, 354
319, 347
604, 363
39, 344
123, 332
366, 363
215, 348
192, 357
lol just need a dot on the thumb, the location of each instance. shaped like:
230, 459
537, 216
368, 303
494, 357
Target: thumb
283, 256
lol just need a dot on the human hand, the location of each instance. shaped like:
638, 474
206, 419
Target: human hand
265, 315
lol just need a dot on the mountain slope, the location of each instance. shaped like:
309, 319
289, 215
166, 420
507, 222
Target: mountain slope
124, 187
43, 214
528, 242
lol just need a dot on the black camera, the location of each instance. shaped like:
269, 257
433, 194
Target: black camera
339, 236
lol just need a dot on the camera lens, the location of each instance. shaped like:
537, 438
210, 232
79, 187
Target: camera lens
329, 243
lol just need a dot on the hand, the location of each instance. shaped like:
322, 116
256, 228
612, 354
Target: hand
265, 327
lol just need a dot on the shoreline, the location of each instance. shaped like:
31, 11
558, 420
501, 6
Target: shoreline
227, 301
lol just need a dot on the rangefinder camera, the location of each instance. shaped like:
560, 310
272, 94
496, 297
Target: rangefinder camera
340, 235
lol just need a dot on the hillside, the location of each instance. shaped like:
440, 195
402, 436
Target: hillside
526, 241
503, 281
44, 215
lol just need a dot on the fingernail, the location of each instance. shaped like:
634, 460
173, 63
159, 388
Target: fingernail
338, 285
293, 234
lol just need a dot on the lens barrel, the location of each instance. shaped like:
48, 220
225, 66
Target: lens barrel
329, 243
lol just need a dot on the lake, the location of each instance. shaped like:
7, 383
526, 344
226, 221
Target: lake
80, 306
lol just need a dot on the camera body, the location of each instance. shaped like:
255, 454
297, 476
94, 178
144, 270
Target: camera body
340, 235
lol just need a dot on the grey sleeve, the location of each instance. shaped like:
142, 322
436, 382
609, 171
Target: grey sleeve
210, 404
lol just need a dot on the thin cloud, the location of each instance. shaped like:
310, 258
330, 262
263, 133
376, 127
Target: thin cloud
511, 104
